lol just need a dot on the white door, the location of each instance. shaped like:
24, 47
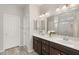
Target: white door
11, 31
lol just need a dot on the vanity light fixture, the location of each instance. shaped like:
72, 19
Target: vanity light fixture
47, 14
66, 7
61, 9
72, 5
42, 15
58, 9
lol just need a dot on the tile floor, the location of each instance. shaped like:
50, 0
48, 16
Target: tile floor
17, 51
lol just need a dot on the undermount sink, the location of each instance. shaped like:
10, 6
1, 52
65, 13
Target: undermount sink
64, 41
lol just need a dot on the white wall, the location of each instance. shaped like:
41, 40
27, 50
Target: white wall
27, 14
26, 25
1, 32
31, 12
34, 13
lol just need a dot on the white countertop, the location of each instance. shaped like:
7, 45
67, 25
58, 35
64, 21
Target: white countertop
71, 42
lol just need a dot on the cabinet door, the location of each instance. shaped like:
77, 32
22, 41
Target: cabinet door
45, 53
39, 48
35, 42
62, 53
37, 45
54, 51
45, 48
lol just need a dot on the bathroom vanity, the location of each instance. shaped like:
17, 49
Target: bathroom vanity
54, 46
65, 39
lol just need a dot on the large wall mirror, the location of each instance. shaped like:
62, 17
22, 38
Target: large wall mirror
50, 23
40, 25
65, 23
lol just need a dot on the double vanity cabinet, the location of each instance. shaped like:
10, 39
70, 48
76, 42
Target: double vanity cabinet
46, 47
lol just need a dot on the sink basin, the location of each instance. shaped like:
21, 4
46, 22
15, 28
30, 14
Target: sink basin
63, 41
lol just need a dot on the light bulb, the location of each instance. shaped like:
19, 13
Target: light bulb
57, 9
47, 14
73, 5
40, 16
43, 15
64, 7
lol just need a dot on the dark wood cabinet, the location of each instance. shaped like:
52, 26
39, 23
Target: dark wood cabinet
64, 50
62, 53
45, 47
35, 42
54, 51
37, 45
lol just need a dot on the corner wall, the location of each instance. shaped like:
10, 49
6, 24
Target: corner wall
31, 12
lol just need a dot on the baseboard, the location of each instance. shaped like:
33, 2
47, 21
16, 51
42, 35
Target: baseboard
28, 50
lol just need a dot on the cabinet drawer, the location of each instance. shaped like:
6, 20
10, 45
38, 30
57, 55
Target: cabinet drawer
37, 45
